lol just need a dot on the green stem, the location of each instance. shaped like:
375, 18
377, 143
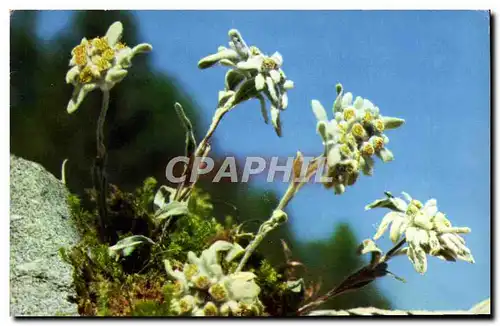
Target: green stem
99, 170
266, 227
201, 151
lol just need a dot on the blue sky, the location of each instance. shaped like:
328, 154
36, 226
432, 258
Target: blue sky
428, 67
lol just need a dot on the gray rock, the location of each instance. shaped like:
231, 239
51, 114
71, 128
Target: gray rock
40, 282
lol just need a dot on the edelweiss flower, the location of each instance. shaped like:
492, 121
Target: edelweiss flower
100, 63
427, 231
253, 75
203, 289
352, 138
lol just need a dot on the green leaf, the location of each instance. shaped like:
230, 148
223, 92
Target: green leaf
163, 196
246, 91
393, 203
190, 140
174, 208
233, 79
392, 123
125, 247
234, 252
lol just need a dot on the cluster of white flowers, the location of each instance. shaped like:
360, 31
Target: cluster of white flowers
352, 138
252, 75
100, 63
202, 288
427, 231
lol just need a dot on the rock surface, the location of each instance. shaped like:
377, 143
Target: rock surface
40, 282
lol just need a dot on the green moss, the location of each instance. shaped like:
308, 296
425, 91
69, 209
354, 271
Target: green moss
137, 285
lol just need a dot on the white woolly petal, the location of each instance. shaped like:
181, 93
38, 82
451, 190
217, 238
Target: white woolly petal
430, 208
347, 99
272, 90
384, 224
318, 110
288, 85
333, 156
284, 101
397, 228
275, 75
259, 82
114, 33
277, 58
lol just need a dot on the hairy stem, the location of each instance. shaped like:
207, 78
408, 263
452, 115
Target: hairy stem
201, 151
99, 170
272, 223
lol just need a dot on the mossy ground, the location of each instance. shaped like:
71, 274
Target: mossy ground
138, 285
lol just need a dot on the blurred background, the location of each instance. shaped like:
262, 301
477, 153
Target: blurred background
431, 68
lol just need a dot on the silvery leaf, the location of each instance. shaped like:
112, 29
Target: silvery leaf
234, 252
263, 109
212, 59
78, 96
384, 224
141, 48
271, 88
242, 286
275, 118
368, 245
295, 286
260, 81
237, 43
368, 165
397, 228
174, 208
418, 259
393, 203
125, 247
114, 33
392, 123
190, 140
288, 85
233, 79
385, 154
163, 196
224, 97
115, 75
319, 111
338, 189
245, 92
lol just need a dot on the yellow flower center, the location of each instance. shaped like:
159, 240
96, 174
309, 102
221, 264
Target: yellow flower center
218, 292
202, 282
80, 54
100, 43
378, 143
185, 305
345, 150
368, 117
210, 309
85, 75
109, 54
379, 125
190, 271
177, 288
269, 64
358, 130
349, 113
367, 149
101, 63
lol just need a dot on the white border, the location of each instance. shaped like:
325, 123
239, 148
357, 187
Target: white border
190, 4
